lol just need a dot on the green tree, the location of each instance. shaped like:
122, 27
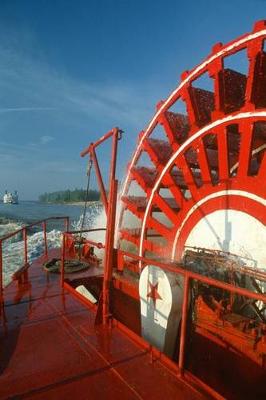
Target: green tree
69, 196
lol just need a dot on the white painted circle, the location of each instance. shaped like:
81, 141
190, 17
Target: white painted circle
233, 231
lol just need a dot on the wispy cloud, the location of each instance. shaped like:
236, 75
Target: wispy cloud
24, 109
43, 88
40, 104
46, 139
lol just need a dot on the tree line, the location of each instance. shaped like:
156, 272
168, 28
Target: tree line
69, 196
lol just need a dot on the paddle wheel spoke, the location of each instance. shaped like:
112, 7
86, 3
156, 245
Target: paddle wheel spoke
204, 165
176, 127
245, 150
262, 170
210, 155
167, 207
169, 180
191, 182
222, 155
158, 227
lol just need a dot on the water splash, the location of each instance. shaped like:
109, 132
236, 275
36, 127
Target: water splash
13, 248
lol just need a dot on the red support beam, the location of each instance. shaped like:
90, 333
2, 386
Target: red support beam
63, 252
99, 179
1, 281
115, 134
25, 271
115, 139
96, 144
109, 250
182, 345
45, 239
110, 209
66, 224
24, 233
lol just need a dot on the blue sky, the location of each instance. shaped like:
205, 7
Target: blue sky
71, 70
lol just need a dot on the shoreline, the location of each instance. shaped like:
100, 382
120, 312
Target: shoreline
74, 203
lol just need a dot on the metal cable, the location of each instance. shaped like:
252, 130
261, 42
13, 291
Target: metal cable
85, 206
87, 194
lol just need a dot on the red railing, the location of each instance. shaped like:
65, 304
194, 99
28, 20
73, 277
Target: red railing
188, 277
23, 231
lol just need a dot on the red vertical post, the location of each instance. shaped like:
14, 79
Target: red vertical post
99, 179
1, 280
109, 250
24, 233
182, 344
67, 224
113, 156
25, 273
109, 240
63, 260
110, 209
45, 238
120, 260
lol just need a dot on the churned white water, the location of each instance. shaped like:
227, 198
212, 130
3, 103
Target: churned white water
13, 248
12, 219
13, 251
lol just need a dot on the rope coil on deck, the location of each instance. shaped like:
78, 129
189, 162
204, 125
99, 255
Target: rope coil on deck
70, 266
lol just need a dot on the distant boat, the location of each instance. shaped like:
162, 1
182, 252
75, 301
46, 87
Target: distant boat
10, 198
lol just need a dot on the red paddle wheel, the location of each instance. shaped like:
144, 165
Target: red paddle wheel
197, 177
189, 272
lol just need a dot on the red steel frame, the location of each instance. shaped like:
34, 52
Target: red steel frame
108, 259
2, 311
110, 209
115, 133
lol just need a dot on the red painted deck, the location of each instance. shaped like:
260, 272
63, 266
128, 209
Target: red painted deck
50, 349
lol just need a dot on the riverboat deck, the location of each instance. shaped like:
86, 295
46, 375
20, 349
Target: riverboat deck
51, 349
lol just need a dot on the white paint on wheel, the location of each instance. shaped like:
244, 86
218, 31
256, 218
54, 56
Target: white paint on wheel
232, 231
161, 295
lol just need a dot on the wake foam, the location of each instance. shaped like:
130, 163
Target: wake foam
13, 251
13, 248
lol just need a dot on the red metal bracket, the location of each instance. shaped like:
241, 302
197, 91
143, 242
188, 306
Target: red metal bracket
115, 133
